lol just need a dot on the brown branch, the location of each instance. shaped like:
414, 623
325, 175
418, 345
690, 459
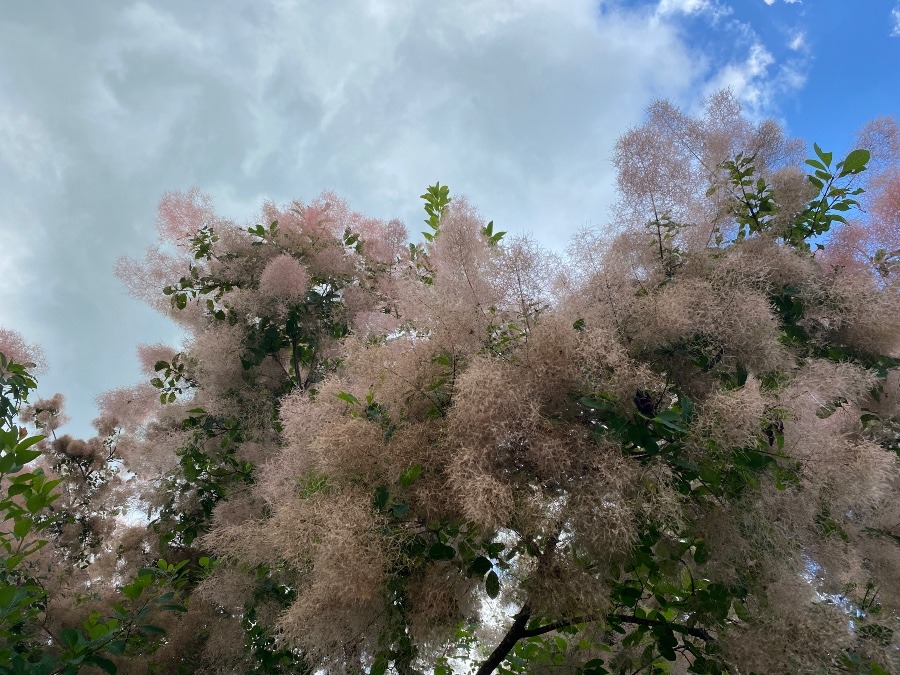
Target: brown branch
518, 629
620, 618
513, 635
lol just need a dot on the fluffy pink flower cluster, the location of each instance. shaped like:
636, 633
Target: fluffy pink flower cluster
284, 277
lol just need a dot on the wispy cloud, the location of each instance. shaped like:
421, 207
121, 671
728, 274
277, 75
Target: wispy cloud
748, 78
759, 80
895, 19
667, 7
712, 8
797, 42
517, 104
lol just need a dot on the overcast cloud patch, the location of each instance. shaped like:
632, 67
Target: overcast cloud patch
516, 104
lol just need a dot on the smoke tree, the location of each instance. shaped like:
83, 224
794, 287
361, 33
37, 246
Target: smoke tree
68, 600
641, 459
673, 449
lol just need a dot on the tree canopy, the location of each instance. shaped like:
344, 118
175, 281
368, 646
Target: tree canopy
672, 449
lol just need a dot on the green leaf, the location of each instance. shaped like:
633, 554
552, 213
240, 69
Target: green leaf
824, 156
627, 595
22, 527
480, 566
174, 607
856, 161
116, 647
701, 552
381, 497
818, 184
409, 476
495, 548
666, 641
25, 456
492, 584
400, 509
687, 408
35, 503
379, 666
594, 667
439, 551
104, 664
18, 488
28, 442
69, 637
348, 398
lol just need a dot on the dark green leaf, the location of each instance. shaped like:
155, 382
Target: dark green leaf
102, 663
480, 566
380, 665
701, 552
400, 509
439, 551
147, 628
594, 667
70, 637
492, 584
381, 497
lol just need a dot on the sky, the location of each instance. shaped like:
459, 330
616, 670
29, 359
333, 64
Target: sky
105, 106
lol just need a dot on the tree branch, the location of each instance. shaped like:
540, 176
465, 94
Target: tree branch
513, 635
621, 618
517, 631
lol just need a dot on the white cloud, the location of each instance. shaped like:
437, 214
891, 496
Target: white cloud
895, 18
798, 42
666, 7
748, 79
26, 148
152, 29
17, 263
711, 8
516, 102
769, 2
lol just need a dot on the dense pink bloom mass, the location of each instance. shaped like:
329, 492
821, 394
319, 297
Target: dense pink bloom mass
14, 347
367, 451
284, 277
182, 214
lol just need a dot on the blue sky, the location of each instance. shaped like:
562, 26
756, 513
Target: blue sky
517, 103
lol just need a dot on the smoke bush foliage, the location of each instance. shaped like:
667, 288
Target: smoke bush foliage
673, 450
